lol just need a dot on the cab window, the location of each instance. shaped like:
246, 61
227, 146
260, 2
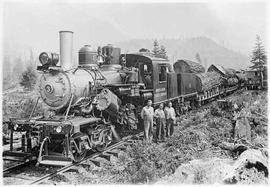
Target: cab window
162, 73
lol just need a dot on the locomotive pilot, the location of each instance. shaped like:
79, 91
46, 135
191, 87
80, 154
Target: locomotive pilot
161, 122
170, 119
147, 115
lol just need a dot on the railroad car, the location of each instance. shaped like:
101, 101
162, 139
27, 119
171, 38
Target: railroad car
254, 79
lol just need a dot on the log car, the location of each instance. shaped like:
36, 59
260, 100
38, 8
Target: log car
212, 87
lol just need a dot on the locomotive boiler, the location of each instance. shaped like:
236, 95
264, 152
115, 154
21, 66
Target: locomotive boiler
69, 82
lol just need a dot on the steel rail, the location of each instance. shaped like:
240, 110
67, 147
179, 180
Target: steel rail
68, 167
8, 169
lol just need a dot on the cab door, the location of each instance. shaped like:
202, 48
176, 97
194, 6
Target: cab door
160, 90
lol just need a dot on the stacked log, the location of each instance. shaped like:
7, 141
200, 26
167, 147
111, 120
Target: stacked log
231, 81
187, 66
209, 80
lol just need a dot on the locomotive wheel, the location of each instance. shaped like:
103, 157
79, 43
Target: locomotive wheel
76, 142
107, 140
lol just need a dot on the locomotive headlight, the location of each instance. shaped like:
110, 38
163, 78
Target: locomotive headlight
58, 129
50, 59
44, 58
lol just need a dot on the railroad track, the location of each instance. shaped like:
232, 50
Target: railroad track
121, 145
14, 166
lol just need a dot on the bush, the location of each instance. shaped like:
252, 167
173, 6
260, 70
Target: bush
20, 105
215, 110
146, 162
29, 78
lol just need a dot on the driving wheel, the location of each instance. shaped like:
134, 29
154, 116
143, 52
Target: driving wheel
106, 140
78, 146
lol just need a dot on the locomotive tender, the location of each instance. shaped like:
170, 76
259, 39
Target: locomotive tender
90, 100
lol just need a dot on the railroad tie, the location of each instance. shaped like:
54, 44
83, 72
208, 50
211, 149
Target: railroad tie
105, 156
115, 154
121, 147
97, 163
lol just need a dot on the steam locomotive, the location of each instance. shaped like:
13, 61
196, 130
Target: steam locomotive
88, 101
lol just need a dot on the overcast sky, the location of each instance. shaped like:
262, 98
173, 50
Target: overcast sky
35, 25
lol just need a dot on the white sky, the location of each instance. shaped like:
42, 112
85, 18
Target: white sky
29, 24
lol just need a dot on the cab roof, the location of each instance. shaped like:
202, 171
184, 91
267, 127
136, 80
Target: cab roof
146, 57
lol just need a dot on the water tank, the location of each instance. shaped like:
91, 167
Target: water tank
87, 56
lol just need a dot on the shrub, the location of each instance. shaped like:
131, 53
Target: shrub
215, 110
146, 162
29, 78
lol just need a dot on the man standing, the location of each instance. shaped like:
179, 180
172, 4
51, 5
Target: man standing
147, 115
160, 120
170, 119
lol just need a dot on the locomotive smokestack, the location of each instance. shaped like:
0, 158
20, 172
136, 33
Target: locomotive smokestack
66, 50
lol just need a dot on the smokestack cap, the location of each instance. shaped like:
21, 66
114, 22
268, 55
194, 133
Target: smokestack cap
66, 31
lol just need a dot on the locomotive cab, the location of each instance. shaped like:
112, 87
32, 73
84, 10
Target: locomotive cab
153, 73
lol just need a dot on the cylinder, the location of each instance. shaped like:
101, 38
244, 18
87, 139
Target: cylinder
66, 50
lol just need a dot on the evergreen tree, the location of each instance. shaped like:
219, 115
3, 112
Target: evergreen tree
258, 57
18, 67
32, 60
156, 49
198, 58
163, 52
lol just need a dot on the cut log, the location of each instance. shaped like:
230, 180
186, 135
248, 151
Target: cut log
187, 66
235, 148
209, 80
251, 158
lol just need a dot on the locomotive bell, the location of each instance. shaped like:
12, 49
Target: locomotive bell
87, 56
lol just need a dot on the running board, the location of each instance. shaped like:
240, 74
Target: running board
18, 156
54, 161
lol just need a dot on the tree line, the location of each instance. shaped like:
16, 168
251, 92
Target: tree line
28, 77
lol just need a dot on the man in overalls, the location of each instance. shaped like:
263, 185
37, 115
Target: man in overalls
147, 115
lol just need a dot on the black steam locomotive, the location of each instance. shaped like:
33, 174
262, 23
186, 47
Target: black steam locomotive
106, 89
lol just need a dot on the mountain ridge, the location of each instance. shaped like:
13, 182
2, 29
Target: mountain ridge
209, 51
